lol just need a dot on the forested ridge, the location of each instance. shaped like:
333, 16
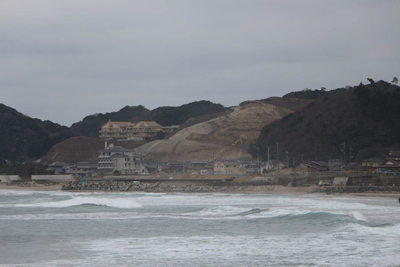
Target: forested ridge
362, 119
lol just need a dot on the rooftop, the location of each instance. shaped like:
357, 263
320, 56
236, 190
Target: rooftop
116, 149
146, 124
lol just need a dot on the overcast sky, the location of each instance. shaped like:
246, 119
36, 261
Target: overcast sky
64, 60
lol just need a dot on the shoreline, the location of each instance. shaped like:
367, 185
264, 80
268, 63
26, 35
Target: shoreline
234, 189
56, 187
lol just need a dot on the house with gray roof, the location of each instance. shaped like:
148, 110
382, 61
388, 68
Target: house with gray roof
83, 168
312, 166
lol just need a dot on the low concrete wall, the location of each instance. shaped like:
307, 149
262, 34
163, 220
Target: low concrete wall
340, 181
54, 178
12, 178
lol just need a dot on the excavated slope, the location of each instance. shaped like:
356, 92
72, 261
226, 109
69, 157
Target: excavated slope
213, 139
80, 148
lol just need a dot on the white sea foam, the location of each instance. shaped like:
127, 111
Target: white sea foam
231, 212
76, 216
337, 248
218, 211
6, 192
358, 216
123, 203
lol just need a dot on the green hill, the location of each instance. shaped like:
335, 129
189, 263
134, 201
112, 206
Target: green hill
366, 120
22, 137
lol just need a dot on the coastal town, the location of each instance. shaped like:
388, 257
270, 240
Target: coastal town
116, 159
123, 163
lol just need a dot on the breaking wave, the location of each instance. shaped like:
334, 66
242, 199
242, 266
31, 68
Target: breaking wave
122, 203
229, 212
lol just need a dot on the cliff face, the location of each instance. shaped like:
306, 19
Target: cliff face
365, 119
213, 138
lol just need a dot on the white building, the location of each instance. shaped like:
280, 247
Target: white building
271, 165
124, 160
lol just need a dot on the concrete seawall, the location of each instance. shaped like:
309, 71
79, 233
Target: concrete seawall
165, 187
3, 178
53, 178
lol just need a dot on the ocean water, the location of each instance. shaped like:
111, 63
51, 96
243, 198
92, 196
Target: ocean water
144, 229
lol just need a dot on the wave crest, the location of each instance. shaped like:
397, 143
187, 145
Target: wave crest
78, 201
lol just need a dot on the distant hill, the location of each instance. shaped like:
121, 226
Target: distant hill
22, 137
310, 123
90, 125
366, 120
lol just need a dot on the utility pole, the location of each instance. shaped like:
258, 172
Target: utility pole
350, 150
344, 152
277, 153
287, 159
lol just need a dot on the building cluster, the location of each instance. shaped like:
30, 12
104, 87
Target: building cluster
123, 161
389, 163
119, 160
139, 131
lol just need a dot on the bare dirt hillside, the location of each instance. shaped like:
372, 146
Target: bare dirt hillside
212, 139
81, 148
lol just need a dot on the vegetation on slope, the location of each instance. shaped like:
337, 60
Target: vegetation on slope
24, 170
307, 94
165, 116
364, 119
22, 137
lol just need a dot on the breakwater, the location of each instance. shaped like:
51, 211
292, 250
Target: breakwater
162, 187
358, 189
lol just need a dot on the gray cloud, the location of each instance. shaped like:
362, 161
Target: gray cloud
63, 60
